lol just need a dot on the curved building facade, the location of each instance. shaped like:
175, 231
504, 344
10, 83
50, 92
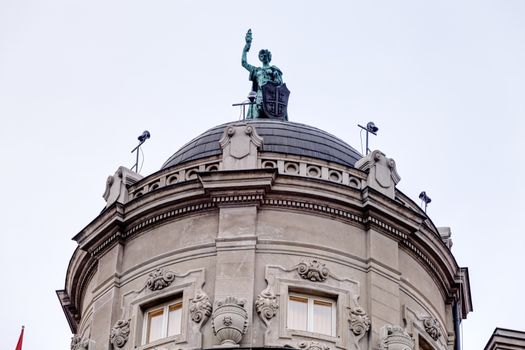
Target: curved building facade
264, 234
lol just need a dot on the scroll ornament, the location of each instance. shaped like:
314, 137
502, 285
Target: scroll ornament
314, 271
200, 308
160, 279
266, 305
77, 343
312, 345
431, 327
359, 324
119, 333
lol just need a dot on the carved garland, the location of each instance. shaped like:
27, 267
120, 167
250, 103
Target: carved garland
120, 333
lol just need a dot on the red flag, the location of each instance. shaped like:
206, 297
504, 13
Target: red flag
19, 345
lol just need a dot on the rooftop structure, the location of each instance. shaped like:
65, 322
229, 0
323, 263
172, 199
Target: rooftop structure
264, 233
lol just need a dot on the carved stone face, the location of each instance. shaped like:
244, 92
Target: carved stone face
265, 56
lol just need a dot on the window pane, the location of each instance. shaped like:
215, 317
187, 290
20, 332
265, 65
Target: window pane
174, 319
298, 313
154, 325
322, 317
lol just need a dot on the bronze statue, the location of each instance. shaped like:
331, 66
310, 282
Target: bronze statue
271, 95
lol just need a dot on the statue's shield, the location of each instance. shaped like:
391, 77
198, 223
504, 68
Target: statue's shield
275, 100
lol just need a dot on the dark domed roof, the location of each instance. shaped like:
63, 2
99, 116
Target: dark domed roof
278, 137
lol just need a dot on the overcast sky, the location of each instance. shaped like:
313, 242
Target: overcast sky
80, 80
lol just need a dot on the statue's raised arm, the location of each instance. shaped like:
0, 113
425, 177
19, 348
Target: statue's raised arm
246, 49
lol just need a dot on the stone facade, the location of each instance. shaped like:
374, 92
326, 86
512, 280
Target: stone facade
232, 237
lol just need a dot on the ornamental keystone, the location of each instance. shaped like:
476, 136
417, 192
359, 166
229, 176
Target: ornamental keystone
314, 271
160, 279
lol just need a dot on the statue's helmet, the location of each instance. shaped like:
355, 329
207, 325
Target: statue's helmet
265, 55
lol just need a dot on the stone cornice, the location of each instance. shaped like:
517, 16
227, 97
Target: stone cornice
269, 189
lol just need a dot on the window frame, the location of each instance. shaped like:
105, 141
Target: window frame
311, 298
165, 307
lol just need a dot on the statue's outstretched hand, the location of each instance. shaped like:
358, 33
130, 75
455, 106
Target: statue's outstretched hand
249, 37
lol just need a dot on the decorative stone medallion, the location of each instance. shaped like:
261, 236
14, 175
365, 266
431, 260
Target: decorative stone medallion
314, 271
119, 333
200, 307
359, 324
432, 327
160, 279
229, 321
266, 305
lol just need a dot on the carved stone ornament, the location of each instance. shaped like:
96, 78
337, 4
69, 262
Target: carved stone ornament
312, 345
200, 307
395, 338
239, 144
77, 343
359, 324
119, 333
266, 305
382, 172
160, 279
432, 327
314, 271
229, 321
116, 186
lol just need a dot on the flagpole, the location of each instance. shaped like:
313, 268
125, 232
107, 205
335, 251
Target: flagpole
20, 339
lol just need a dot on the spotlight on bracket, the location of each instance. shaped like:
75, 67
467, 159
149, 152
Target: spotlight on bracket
142, 138
425, 199
145, 135
371, 127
